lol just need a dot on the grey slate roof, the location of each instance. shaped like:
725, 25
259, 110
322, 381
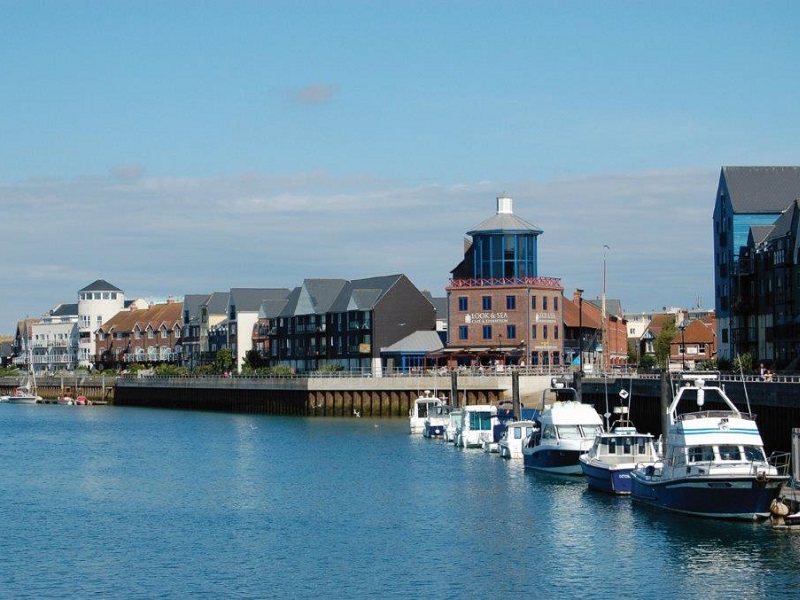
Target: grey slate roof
101, 285
217, 303
272, 308
193, 302
761, 189
784, 223
419, 341
613, 306
504, 222
250, 299
64, 310
759, 233
363, 294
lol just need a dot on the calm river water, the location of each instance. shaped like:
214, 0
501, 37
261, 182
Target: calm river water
135, 503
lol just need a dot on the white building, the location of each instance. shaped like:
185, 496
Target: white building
97, 303
54, 340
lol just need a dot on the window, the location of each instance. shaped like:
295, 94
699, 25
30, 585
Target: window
463, 332
533, 302
463, 303
555, 303
487, 303
544, 332
555, 332
164, 334
487, 332
511, 332
544, 302
511, 302
533, 331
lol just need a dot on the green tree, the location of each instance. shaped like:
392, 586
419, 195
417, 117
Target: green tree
223, 361
743, 362
663, 343
633, 355
252, 361
648, 361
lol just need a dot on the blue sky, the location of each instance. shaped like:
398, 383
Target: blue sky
188, 147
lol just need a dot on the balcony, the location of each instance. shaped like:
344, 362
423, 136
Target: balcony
541, 282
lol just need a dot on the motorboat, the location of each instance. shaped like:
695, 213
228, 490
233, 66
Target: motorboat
422, 406
513, 438
713, 462
453, 424
505, 414
66, 400
476, 425
613, 456
436, 421
567, 429
23, 395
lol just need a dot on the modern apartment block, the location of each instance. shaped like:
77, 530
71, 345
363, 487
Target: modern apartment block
748, 199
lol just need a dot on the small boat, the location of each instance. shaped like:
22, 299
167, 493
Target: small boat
609, 462
436, 421
453, 423
22, 395
713, 462
422, 406
568, 429
66, 400
81, 401
476, 425
513, 438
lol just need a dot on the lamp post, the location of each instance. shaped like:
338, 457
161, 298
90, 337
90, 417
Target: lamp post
683, 347
580, 329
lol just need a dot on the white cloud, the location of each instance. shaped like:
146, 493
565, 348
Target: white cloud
155, 237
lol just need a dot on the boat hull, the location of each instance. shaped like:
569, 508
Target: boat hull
616, 480
23, 400
741, 498
554, 460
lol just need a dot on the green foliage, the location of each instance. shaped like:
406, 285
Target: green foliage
134, 368
334, 368
223, 361
743, 362
708, 365
633, 355
167, 370
280, 371
252, 361
9, 372
663, 343
204, 370
648, 361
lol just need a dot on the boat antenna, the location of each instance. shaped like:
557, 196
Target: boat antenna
744, 385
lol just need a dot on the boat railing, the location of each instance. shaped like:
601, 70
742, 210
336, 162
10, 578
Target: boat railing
781, 461
716, 414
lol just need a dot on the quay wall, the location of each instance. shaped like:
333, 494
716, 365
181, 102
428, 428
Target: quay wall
319, 396
94, 388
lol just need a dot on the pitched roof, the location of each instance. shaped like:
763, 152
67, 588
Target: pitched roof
126, 320
217, 303
761, 189
100, 285
250, 299
613, 306
64, 310
698, 332
419, 341
363, 294
785, 223
570, 313
193, 302
758, 233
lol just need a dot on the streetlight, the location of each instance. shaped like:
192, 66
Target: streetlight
682, 327
580, 329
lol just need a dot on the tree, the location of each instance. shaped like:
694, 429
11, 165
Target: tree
663, 343
633, 355
743, 362
223, 361
252, 360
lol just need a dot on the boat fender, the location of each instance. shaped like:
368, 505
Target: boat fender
778, 508
762, 476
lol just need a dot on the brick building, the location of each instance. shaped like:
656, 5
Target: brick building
499, 309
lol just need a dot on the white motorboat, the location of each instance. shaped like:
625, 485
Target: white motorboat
23, 395
476, 425
568, 429
713, 462
437, 420
513, 438
423, 405
453, 424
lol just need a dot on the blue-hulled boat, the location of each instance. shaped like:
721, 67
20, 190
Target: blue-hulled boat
614, 455
713, 462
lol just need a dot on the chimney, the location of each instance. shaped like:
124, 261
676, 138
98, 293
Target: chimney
504, 205
576, 295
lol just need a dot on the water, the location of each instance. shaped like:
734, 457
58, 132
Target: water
137, 503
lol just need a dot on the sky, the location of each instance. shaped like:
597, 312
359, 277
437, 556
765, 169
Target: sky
179, 147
